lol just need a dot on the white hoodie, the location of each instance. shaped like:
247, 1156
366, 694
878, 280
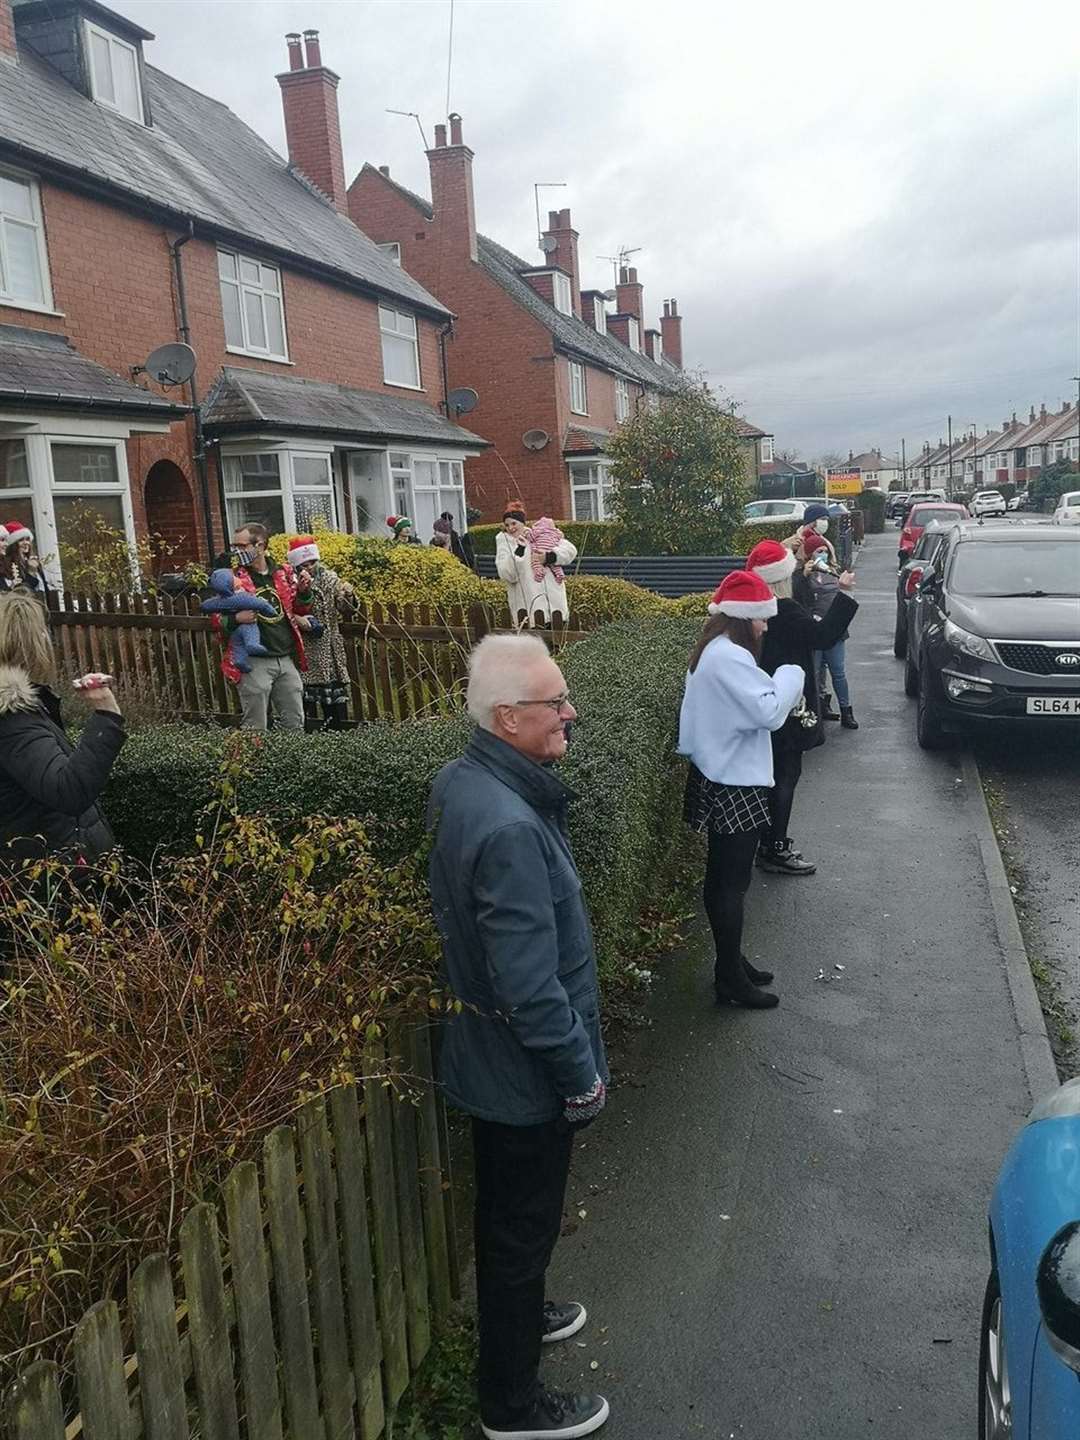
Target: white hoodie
729, 707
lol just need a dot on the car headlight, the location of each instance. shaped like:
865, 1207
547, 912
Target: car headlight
969, 644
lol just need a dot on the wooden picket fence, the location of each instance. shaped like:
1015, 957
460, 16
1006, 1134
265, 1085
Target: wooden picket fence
403, 661
309, 1321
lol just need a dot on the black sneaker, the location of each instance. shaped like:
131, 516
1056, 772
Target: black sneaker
554, 1413
562, 1321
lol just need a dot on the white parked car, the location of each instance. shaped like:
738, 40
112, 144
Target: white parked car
987, 502
1068, 509
775, 512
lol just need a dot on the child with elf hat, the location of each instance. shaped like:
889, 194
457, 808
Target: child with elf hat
730, 708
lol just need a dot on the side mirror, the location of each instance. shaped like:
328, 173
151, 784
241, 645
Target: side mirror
927, 580
1058, 1286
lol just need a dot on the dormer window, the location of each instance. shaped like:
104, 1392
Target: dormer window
599, 315
561, 292
633, 334
114, 72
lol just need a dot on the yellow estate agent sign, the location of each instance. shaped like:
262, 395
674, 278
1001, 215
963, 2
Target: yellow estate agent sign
843, 482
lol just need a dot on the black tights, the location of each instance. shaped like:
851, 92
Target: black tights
727, 878
787, 767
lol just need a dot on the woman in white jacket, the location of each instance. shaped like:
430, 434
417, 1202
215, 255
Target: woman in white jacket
729, 708
531, 601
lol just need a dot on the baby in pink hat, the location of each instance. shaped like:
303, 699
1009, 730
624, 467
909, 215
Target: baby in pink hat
544, 537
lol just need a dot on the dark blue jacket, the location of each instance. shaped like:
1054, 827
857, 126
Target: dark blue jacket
517, 943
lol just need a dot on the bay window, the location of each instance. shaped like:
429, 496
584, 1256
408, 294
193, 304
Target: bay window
590, 490
289, 490
400, 355
24, 267
251, 303
421, 485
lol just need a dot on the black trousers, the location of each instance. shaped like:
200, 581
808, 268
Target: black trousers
728, 873
787, 768
521, 1173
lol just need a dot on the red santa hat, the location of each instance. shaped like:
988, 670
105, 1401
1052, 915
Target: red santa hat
14, 531
302, 549
771, 561
743, 596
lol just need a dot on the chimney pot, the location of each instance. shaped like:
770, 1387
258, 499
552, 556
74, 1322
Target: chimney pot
623, 275
296, 58
671, 332
440, 137
455, 130
452, 197
311, 48
553, 219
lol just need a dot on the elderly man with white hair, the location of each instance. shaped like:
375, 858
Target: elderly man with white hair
522, 1055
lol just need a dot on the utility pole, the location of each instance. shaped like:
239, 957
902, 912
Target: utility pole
903, 465
975, 458
950, 459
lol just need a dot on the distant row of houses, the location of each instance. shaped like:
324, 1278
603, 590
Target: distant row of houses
1013, 454
361, 350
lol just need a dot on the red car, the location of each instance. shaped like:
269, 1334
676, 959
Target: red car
917, 519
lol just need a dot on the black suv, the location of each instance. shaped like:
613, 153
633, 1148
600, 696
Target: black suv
999, 638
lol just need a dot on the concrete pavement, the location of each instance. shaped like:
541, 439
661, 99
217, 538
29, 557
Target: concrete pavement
784, 1229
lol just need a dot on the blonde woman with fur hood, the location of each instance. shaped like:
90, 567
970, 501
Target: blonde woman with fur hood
49, 788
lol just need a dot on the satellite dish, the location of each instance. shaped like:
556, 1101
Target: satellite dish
463, 400
548, 243
169, 365
611, 295
535, 439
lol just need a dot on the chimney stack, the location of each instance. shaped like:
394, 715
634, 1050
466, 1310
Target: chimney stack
671, 330
628, 294
452, 189
565, 253
8, 49
312, 124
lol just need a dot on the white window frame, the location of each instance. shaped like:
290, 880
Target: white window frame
1034, 457
633, 334
590, 477
658, 348
289, 486
392, 251
37, 223
113, 41
561, 296
622, 398
599, 315
579, 389
395, 332
243, 289
767, 449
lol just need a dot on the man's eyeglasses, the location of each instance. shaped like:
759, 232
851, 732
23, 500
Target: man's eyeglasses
558, 703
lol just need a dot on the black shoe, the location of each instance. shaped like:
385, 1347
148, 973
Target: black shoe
847, 718
756, 977
554, 1413
739, 991
827, 712
562, 1321
783, 860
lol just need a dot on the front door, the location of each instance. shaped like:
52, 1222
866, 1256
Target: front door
368, 491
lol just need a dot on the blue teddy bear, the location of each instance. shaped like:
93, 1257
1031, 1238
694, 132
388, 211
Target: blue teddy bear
244, 640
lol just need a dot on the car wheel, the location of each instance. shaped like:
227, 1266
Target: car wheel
899, 639
928, 730
911, 676
995, 1394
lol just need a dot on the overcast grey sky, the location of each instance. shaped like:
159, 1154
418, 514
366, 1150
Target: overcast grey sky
869, 219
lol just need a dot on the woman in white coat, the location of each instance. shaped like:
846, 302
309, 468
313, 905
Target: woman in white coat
729, 709
531, 601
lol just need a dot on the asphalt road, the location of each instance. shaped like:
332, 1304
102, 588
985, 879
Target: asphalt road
783, 1233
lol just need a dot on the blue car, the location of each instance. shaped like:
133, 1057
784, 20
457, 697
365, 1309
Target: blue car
1029, 1355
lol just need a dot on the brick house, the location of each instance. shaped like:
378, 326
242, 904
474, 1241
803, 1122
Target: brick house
135, 211
554, 368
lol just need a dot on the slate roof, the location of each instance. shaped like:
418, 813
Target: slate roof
196, 160
243, 399
570, 332
43, 368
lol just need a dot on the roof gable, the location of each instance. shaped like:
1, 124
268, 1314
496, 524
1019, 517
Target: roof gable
198, 160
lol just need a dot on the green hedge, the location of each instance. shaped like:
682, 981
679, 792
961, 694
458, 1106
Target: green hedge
626, 681
872, 504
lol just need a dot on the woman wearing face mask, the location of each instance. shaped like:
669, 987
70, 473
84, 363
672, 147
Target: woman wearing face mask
793, 638
729, 707
815, 522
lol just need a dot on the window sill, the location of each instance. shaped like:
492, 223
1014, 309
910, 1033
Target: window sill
258, 355
30, 307
583, 413
401, 385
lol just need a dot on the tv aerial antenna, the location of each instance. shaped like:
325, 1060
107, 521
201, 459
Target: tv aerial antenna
545, 185
411, 115
619, 260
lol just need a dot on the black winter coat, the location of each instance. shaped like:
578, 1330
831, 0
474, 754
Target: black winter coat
48, 787
791, 639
